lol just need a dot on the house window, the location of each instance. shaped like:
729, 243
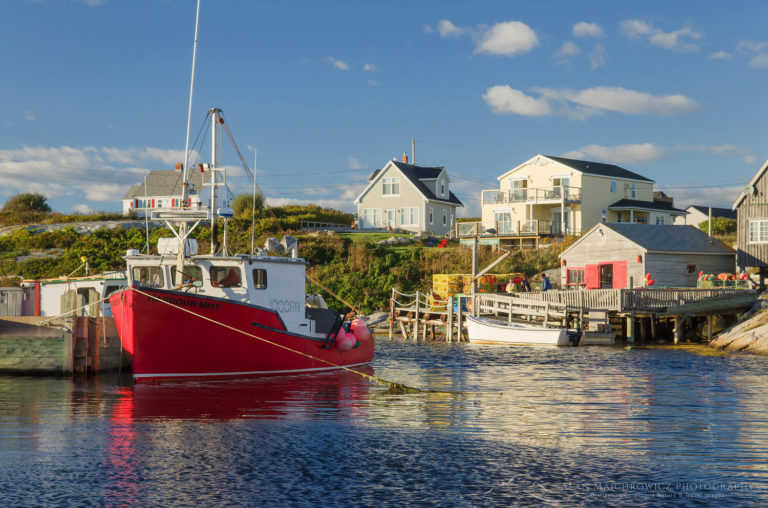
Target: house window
409, 216
641, 219
372, 217
445, 218
690, 268
518, 190
758, 231
442, 188
575, 277
390, 186
260, 278
659, 219
604, 215
632, 190
503, 222
225, 276
431, 213
613, 186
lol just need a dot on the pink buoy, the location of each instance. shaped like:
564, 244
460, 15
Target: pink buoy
362, 333
356, 323
340, 335
347, 343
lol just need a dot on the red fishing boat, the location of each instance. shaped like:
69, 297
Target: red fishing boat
234, 316
220, 315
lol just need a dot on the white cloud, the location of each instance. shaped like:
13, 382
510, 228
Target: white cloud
29, 116
621, 154
507, 39
339, 64
345, 201
626, 101
749, 158
756, 48
92, 3
580, 104
568, 49
505, 100
447, 29
751, 46
370, 68
720, 55
719, 196
597, 57
83, 209
649, 152
354, 163
428, 29
679, 40
584, 29
372, 82
759, 61
94, 174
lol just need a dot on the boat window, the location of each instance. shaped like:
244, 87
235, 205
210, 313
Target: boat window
191, 275
260, 278
111, 289
148, 275
225, 276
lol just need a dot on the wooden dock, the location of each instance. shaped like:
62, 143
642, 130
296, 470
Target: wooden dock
630, 314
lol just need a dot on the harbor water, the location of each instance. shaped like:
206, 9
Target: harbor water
493, 426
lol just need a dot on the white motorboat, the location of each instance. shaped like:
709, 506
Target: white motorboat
488, 331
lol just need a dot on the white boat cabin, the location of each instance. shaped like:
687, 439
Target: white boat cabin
273, 282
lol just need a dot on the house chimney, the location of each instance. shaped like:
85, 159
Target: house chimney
179, 166
405, 158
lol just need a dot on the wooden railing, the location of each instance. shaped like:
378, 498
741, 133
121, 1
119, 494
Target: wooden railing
627, 300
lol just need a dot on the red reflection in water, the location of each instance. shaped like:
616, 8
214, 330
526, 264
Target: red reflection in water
267, 397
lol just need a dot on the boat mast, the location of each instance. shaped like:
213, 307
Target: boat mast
215, 115
182, 236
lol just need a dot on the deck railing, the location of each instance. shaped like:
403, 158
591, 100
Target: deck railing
627, 300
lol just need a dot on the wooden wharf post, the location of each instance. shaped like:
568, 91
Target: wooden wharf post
416, 318
449, 321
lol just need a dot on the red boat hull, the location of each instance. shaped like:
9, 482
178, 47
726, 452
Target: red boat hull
170, 334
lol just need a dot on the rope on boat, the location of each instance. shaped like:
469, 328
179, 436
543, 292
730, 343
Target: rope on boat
54, 318
393, 388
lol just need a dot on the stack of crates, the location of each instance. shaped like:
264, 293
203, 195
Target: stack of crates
446, 285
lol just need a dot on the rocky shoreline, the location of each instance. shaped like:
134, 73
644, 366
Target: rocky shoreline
750, 334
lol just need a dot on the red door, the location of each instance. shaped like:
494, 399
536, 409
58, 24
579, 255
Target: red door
591, 277
620, 275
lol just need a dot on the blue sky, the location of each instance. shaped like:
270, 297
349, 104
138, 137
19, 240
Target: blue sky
95, 92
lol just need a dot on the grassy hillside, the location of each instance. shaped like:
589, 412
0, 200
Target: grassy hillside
351, 265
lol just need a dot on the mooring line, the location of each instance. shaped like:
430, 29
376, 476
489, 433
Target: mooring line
394, 388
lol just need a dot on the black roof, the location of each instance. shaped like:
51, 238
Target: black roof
716, 212
418, 173
664, 206
599, 169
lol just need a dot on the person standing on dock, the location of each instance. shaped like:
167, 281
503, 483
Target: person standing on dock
525, 285
545, 284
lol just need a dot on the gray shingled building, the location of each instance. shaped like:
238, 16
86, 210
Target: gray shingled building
610, 255
161, 189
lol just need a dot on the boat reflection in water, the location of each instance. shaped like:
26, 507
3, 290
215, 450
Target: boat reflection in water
334, 394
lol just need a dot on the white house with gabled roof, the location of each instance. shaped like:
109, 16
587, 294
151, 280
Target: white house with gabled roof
408, 197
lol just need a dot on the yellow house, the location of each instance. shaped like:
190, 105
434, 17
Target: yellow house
552, 196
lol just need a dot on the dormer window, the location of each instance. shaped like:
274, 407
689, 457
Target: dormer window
442, 188
390, 186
